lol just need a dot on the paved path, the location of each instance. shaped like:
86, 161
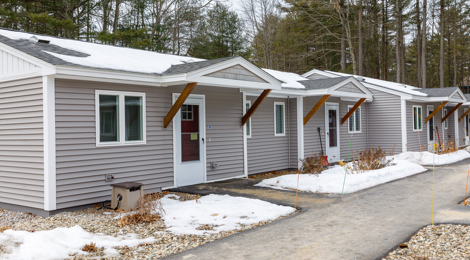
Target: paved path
364, 225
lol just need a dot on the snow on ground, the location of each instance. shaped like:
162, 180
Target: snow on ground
331, 180
426, 158
108, 57
223, 211
60, 242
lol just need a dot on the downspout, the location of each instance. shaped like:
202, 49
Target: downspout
367, 125
288, 123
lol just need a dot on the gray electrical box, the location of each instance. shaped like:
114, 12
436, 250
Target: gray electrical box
126, 194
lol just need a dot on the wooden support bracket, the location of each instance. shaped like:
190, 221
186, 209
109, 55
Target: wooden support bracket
436, 110
463, 116
255, 106
354, 108
451, 112
177, 105
315, 108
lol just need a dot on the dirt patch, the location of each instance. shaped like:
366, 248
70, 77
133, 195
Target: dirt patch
269, 175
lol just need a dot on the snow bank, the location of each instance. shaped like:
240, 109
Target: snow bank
426, 158
331, 180
223, 211
60, 242
109, 57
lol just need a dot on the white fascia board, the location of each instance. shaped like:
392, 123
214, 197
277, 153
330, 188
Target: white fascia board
48, 87
320, 72
387, 90
199, 73
229, 83
102, 75
24, 74
27, 57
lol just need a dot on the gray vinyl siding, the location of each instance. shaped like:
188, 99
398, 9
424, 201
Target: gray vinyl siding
385, 121
312, 139
415, 138
292, 126
81, 165
449, 133
224, 110
22, 147
461, 140
267, 152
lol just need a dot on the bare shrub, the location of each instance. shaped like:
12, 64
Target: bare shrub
368, 160
3, 228
147, 209
314, 164
90, 248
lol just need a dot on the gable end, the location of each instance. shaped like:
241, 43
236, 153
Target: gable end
317, 76
11, 63
457, 96
236, 72
351, 88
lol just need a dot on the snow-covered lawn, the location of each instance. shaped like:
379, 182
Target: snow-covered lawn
331, 180
218, 212
60, 242
426, 158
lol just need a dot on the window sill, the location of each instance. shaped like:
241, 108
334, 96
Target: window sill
120, 144
420, 130
279, 134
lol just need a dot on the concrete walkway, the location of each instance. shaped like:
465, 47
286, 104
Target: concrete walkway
363, 225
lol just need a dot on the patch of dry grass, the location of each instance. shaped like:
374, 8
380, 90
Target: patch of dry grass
90, 248
147, 210
3, 228
269, 175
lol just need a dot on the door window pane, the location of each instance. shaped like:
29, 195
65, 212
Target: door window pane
279, 119
133, 113
431, 127
248, 127
190, 137
109, 118
333, 138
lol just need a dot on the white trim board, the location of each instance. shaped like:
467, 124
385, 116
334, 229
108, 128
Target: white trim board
300, 129
50, 190
245, 141
404, 137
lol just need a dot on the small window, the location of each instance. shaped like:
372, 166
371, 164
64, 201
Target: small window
120, 118
279, 120
248, 124
187, 113
354, 121
417, 118
446, 123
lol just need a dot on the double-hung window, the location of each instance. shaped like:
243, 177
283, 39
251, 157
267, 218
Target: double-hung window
354, 121
248, 123
120, 118
417, 118
446, 123
279, 119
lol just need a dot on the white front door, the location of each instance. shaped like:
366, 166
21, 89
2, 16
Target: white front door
190, 147
431, 128
332, 132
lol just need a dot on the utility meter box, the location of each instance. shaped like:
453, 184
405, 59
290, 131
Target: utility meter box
126, 194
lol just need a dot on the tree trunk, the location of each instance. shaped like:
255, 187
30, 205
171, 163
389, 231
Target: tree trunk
455, 43
116, 20
423, 46
441, 46
418, 44
361, 54
343, 42
398, 42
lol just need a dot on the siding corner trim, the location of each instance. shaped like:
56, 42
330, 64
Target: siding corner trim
48, 86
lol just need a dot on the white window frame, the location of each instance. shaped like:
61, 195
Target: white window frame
354, 118
413, 116
122, 121
284, 118
446, 123
249, 120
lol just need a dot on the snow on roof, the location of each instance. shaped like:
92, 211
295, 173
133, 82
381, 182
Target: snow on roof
289, 79
386, 84
107, 56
